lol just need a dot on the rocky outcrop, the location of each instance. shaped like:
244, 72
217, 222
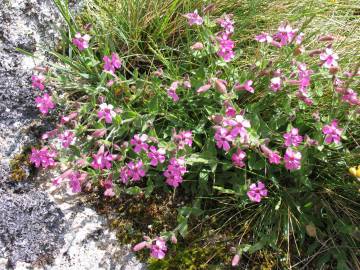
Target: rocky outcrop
40, 228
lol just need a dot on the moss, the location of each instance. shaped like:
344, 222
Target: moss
19, 167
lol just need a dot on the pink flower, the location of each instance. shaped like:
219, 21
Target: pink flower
230, 111
292, 159
136, 170
158, 248
275, 84
66, 138
183, 138
113, 63
75, 179
106, 112
38, 81
81, 42
223, 138
238, 158
125, 174
245, 86
175, 171
156, 155
226, 46
350, 96
99, 133
44, 103
285, 34
292, 138
108, 186
139, 143
50, 134
239, 127
194, 18
273, 156
264, 37
102, 159
68, 118
257, 192
227, 23
332, 132
197, 46
171, 91
299, 38
56, 181
43, 157
329, 58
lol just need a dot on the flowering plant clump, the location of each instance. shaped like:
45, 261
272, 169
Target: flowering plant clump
196, 132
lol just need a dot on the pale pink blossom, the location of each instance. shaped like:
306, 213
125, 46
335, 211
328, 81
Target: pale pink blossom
175, 171
102, 159
264, 37
257, 192
136, 170
226, 46
235, 261
203, 88
351, 97
197, 46
171, 91
223, 138
273, 156
75, 181
67, 118
108, 186
227, 23
183, 138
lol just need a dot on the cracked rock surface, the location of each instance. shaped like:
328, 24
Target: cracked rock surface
41, 228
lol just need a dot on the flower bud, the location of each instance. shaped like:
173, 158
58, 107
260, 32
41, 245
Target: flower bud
173, 239
99, 133
220, 86
235, 261
326, 38
197, 46
140, 246
203, 88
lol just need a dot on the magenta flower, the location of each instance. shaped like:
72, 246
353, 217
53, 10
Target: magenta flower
106, 112
230, 111
75, 179
238, 158
239, 127
175, 171
125, 174
332, 132
226, 46
139, 143
257, 192
293, 138
292, 159
43, 157
285, 34
183, 138
102, 159
171, 91
329, 58
81, 42
245, 86
38, 81
158, 248
351, 97
223, 138
156, 155
66, 138
112, 63
136, 170
275, 84
194, 18
273, 156
227, 23
44, 103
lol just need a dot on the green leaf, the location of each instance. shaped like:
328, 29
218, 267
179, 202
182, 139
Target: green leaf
134, 190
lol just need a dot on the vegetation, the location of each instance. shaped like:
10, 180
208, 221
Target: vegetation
246, 129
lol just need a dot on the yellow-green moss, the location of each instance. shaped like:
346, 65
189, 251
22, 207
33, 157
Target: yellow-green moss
19, 167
